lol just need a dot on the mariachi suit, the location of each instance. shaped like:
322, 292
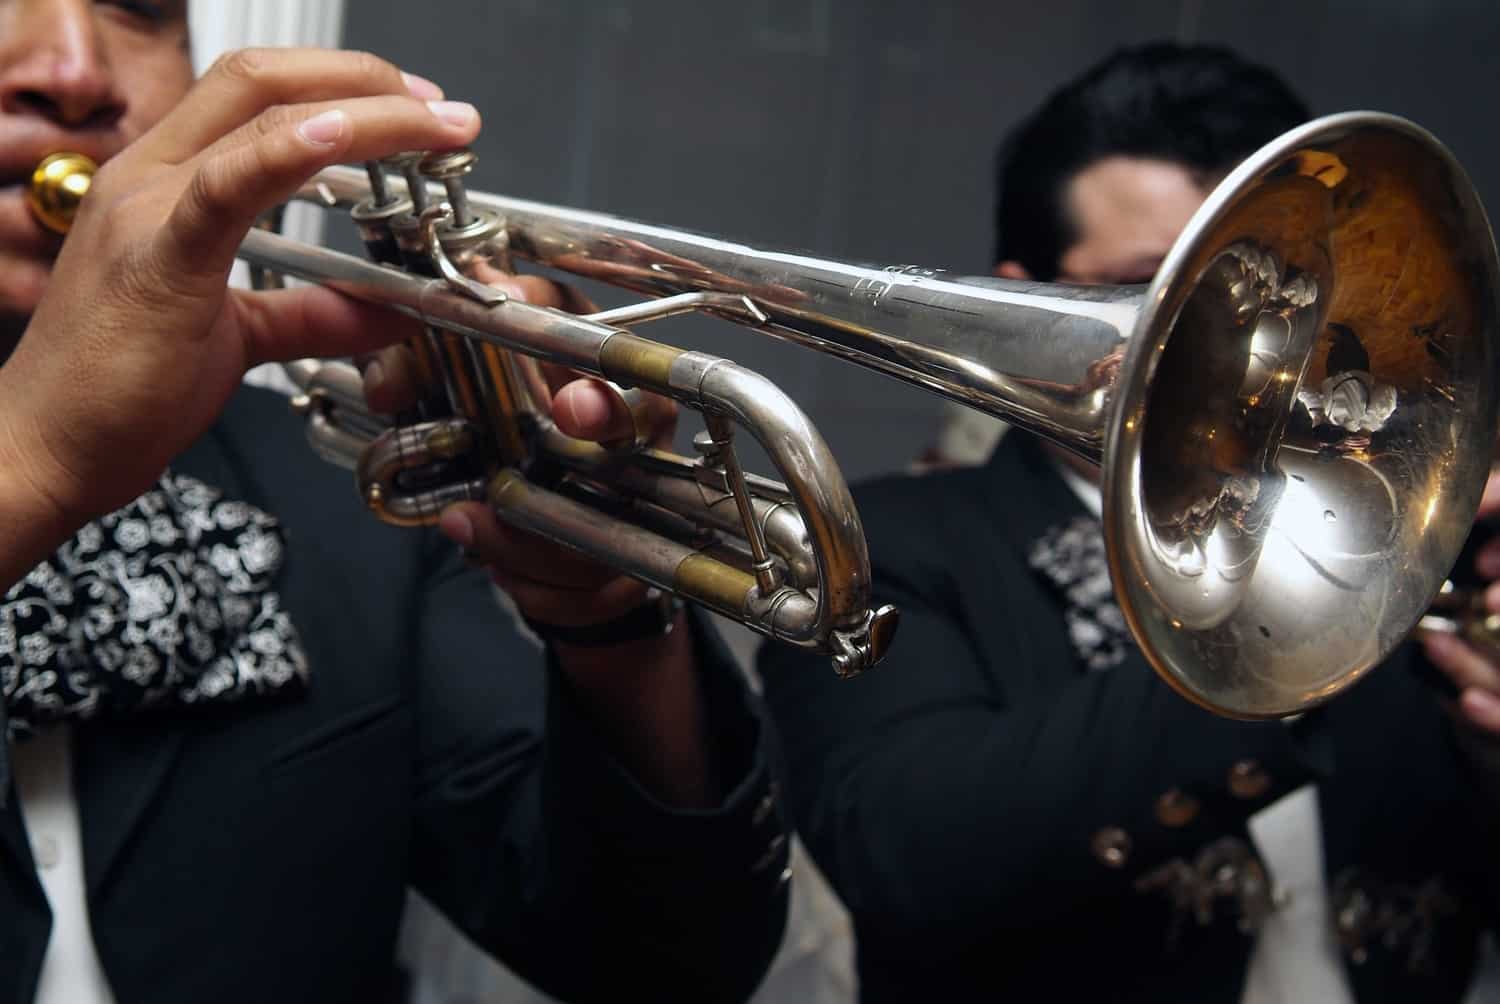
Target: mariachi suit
1004, 822
259, 852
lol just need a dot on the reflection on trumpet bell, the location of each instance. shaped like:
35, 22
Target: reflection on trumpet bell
57, 187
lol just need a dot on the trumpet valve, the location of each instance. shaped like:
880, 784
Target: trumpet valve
449, 168
407, 164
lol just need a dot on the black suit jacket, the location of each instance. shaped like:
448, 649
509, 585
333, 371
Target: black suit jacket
986, 806
260, 853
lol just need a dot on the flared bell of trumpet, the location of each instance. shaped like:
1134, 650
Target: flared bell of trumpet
1302, 423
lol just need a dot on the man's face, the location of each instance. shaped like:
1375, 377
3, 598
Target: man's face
1127, 213
81, 75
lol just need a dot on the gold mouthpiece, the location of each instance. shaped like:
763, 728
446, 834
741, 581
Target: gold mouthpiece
58, 185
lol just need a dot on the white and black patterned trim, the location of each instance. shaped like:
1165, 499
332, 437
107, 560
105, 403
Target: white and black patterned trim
165, 602
1071, 558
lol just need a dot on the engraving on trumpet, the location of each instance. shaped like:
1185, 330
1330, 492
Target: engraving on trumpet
873, 289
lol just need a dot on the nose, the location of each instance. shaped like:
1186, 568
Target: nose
53, 65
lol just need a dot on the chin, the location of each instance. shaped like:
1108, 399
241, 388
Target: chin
21, 289
22, 286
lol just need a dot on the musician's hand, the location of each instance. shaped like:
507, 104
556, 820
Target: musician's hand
548, 582
1476, 673
644, 694
137, 345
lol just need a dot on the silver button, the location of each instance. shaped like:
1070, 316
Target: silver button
1176, 808
47, 852
1111, 847
763, 808
772, 854
1248, 779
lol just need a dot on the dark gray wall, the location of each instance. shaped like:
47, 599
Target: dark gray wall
865, 129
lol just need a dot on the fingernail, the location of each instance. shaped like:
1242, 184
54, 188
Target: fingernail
374, 377
572, 402
324, 129
455, 113
457, 527
421, 87
514, 290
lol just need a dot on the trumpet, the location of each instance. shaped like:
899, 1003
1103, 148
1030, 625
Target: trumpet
1292, 419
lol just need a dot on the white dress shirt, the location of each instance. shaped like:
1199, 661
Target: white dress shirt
43, 766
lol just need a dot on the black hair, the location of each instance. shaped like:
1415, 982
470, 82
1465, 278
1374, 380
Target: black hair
1199, 106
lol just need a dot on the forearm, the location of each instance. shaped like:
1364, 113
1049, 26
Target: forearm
548, 848
646, 699
696, 891
32, 525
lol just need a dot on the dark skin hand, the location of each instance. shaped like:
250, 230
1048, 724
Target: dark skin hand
644, 695
138, 343
1476, 674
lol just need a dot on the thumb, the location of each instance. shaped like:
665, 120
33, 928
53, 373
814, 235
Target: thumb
588, 409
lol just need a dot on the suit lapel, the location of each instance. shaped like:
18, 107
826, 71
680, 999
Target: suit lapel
15, 848
120, 767
1021, 463
119, 771
13, 843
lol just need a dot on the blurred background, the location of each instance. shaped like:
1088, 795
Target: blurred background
862, 129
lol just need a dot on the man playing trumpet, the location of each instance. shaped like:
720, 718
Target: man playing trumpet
241, 715
1015, 806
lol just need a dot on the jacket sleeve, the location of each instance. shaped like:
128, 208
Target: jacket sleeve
959, 785
539, 845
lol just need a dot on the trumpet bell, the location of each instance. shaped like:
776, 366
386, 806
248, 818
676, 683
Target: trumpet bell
1302, 422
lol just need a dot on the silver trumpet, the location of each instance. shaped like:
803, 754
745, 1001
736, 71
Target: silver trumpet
1293, 419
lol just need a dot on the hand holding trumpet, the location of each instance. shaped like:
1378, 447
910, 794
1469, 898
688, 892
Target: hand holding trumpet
138, 344
643, 692
1473, 667
140, 314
